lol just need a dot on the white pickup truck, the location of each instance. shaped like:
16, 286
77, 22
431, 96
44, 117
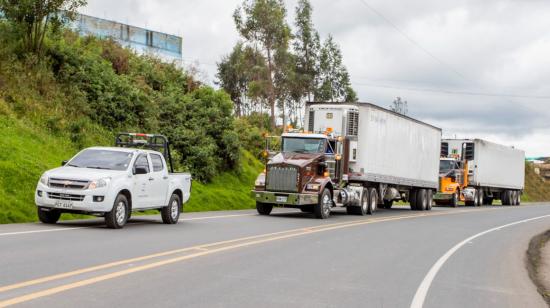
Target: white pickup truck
114, 181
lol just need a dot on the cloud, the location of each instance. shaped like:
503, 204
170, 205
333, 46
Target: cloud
490, 46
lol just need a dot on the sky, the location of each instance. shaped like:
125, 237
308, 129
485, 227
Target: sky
477, 69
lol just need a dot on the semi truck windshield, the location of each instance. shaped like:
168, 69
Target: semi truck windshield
446, 165
304, 145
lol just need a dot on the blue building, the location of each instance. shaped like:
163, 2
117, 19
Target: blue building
165, 46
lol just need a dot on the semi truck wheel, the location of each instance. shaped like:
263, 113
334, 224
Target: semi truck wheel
322, 210
421, 200
373, 201
118, 216
171, 213
412, 198
505, 197
264, 208
306, 208
514, 197
430, 199
479, 197
454, 200
518, 199
364, 205
48, 217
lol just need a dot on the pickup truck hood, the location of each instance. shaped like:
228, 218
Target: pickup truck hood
84, 174
297, 159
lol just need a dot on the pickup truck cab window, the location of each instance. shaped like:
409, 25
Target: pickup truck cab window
142, 162
102, 159
157, 163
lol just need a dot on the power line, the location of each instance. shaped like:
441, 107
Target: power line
412, 41
453, 92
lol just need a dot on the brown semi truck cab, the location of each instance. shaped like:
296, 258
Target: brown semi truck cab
297, 175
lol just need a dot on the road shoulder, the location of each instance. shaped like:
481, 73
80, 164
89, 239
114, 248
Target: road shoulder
538, 263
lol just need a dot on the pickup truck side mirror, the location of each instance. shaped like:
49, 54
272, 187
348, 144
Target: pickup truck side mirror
63, 163
140, 170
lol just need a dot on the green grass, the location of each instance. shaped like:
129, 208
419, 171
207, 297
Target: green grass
536, 189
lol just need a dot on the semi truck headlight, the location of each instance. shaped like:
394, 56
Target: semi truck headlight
99, 183
314, 187
44, 179
260, 180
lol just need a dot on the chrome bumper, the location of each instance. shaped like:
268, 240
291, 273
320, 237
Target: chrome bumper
291, 198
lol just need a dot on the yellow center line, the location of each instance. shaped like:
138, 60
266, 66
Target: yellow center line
249, 241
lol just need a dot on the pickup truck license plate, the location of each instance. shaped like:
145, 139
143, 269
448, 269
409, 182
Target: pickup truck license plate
63, 204
282, 198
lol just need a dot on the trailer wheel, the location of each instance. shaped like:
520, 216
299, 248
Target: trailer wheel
412, 198
430, 199
518, 199
421, 200
48, 217
264, 208
373, 201
388, 204
513, 197
322, 210
505, 197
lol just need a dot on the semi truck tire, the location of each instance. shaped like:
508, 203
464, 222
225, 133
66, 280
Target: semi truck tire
373, 201
505, 197
479, 197
306, 208
518, 202
170, 214
362, 209
454, 200
514, 197
430, 199
412, 198
118, 216
421, 200
48, 217
322, 210
264, 208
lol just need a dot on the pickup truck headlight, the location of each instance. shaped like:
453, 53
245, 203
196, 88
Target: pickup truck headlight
44, 179
314, 187
99, 183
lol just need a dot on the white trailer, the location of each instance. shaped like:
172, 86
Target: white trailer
385, 154
494, 171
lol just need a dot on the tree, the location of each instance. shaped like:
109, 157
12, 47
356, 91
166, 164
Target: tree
307, 46
32, 17
400, 106
262, 23
333, 81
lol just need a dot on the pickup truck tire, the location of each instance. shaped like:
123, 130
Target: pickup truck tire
48, 217
373, 201
264, 208
171, 214
118, 216
412, 198
322, 209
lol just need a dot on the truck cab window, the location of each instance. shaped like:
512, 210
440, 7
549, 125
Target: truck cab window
157, 163
304, 145
142, 162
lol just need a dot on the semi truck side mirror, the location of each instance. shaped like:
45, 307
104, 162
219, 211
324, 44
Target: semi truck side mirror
63, 163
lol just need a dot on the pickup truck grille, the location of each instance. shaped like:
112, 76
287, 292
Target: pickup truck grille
68, 197
68, 184
281, 178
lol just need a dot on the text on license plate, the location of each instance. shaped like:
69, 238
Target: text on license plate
282, 198
64, 204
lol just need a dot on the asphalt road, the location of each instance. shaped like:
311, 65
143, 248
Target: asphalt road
465, 257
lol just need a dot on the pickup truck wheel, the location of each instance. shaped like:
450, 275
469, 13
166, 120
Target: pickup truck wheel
373, 201
48, 217
264, 208
171, 214
454, 200
322, 210
421, 200
412, 198
118, 216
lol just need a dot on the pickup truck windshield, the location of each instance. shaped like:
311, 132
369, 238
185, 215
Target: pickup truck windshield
304, 145
102, 159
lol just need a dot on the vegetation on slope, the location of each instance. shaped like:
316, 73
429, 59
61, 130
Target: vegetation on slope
536, 189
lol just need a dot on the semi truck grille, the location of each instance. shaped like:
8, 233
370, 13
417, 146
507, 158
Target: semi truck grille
68, 197
282, 179
69, 184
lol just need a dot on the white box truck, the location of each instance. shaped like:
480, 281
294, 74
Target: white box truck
478, 172
359, 156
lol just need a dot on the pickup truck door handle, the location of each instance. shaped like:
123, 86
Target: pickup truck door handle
151, 179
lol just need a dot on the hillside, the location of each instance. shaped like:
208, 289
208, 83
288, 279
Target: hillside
536, 189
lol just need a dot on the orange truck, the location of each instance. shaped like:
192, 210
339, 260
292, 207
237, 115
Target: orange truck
478, 172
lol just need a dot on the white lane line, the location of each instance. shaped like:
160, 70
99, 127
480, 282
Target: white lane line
422, 291
89, 227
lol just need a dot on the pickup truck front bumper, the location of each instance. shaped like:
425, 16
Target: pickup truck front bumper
73, 200
284, 198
